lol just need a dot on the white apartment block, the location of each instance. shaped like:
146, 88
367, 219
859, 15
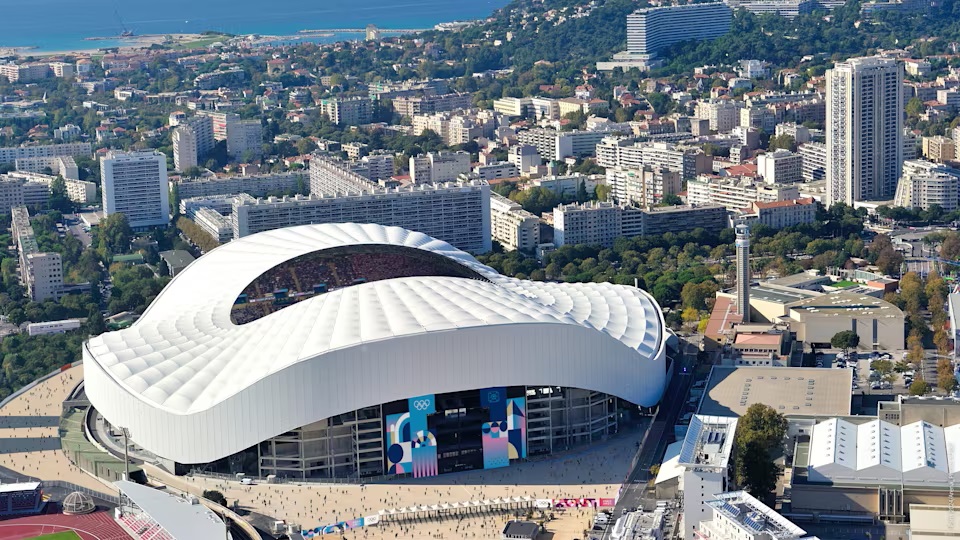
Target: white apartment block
925, 184
11, 154
780, 167
554, 145
525, 157
736, 193
218, 226
458, 127
628, 154
651, 29
457, 213
512, 107
67, 133
81, 191
41, 273
864, 129
244, 136
62, 70
496, 171
375, 167
740, 516
642, 187
799, 132
329, 176
411, 106
65, 166
512, 226
185, 153
439, 167
723, 114
813, 161
705, 459
353, 111
135, 184
257, 185
911, 144
589, 223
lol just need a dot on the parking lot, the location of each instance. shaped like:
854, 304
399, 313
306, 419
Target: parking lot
866, 380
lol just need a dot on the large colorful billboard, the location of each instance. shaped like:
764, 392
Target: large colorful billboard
430, 435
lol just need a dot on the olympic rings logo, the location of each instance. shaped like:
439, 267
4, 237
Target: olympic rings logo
421, 404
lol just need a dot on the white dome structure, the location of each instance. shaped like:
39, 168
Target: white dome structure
78, 503
274, 331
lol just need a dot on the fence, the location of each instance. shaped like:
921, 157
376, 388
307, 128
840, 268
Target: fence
112, 499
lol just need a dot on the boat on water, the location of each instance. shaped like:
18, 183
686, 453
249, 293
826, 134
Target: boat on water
127, 33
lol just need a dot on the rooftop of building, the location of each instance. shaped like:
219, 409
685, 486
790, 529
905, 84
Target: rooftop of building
754, 517
732, 390
765, 339
784, 204
779, 296
708, 442
177, 258
844, 303
722, 318
799, 279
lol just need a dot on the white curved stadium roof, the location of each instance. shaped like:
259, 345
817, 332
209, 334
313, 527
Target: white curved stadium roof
184, 367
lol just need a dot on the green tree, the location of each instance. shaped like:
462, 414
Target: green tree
58, 195
919, 387
785, 142
759, 437
115, 234
215, 496
845, 339
601, 192
95, 323
915, 107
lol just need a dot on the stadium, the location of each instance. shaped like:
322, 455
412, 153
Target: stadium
346, 350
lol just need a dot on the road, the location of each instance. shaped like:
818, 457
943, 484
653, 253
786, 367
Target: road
655, 442
75, 226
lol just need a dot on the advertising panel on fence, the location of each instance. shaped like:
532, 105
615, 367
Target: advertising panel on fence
338, 528
604, 502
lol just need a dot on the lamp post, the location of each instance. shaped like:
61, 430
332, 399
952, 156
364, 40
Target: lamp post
126, 455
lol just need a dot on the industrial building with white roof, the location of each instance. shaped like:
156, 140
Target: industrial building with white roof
352, 350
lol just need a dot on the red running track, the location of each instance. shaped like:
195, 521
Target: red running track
95, 526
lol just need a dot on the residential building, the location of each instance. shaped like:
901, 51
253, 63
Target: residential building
652, 29
135, 184
642, 187
813, 161
62, 70
241, 135
218, 226
735, 193
864, 129
193, 139
41, 273
457, 127
740, 516
925, 184
81, 191
496, 171
911, 144
329, 176
11, 154
525, 157
780, 214
629, 154
439, 167
65, 166
566, 186
375, 167
411, 106
603, 222
783, 8
939, 149
512, 226
24, 73
457, 213
705, 460
780, 167
353, 111
67, 133
799, 132
554, 145
258, 185
723, 114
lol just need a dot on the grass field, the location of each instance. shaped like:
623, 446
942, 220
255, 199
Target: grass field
68, 535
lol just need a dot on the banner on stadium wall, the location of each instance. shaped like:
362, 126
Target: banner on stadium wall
604, 502
341, 526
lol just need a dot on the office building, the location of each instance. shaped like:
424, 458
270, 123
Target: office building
705, 460
512, 226
925, 184
353, 111
780, 167
652, 29
554, 145
642, 187
439, 167
458, 213
135, 184
41, 273
11, 154
939, 149
735, 193
864, 129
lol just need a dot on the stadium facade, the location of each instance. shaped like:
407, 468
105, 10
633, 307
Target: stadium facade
340, 350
